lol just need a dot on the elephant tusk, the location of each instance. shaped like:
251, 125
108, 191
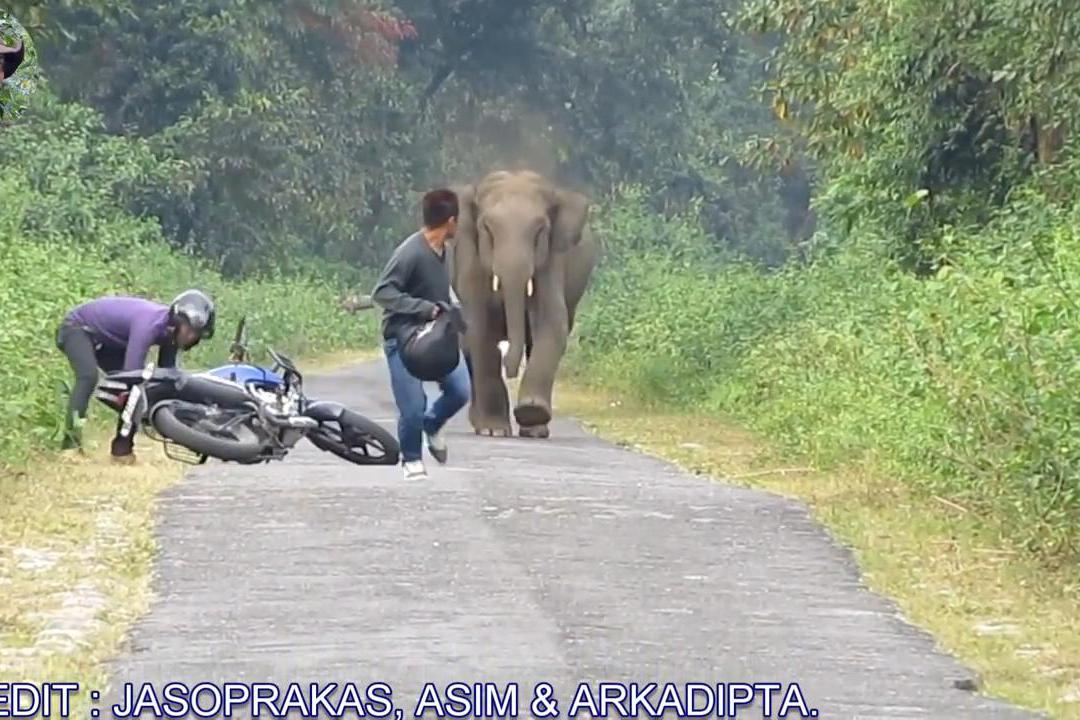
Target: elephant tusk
494, 283
529, 288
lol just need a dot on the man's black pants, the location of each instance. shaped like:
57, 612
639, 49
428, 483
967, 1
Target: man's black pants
78, 345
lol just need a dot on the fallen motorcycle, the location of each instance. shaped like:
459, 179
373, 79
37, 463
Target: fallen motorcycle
240, 412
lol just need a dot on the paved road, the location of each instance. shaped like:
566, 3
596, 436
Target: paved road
564, 561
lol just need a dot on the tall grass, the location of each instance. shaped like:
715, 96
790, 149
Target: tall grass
965, 385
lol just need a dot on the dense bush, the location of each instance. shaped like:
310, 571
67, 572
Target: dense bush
963, 383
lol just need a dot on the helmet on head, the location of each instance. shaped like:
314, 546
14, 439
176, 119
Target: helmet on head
196, 309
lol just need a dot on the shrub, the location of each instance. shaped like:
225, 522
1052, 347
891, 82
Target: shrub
964, 383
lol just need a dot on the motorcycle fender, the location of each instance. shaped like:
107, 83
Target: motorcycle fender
325, 411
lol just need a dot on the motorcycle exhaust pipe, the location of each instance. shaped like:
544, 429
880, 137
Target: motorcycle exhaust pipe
304, 423
299, 422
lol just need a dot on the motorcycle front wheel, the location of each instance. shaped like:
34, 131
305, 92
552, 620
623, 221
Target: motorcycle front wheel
355, 438
182, 425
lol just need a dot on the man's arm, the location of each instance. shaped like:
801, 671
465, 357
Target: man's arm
390, 292
140, 338
167, 355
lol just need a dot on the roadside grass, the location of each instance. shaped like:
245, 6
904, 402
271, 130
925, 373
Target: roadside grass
77, 550
1014, 622
336, 360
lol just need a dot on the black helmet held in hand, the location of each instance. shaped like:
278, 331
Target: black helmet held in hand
431, 351
192, 315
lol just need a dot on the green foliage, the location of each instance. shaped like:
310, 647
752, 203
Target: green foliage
959, 100
599, 92
65, 240
308, 129
75, 170
963, 383
288, 134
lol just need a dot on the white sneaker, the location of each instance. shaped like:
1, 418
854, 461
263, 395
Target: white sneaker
415, 470
437, 447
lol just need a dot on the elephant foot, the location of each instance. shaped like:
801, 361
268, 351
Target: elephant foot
492, 432
539, 432
531, 412
489, 423
492, 427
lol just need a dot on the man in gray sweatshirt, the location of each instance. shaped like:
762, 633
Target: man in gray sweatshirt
415, 287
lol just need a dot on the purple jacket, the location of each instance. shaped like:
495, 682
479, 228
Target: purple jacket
130, 324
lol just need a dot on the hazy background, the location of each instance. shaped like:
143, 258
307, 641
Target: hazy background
303, 131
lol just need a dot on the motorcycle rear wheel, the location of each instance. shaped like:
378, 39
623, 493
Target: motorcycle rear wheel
243, 446
355, 438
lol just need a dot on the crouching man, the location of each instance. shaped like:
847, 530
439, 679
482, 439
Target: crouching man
415, 287
116, 333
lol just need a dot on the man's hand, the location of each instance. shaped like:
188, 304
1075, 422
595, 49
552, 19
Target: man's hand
440, 308
457, 317
354, 303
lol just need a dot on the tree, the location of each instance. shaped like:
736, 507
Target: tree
924, 114
293, 129
600, 92
305, 129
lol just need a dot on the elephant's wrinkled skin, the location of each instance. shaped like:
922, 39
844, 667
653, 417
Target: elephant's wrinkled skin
523, 257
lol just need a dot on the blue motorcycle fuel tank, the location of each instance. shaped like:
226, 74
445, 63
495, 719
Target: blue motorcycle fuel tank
244, 374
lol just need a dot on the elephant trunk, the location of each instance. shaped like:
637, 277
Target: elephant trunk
514, 298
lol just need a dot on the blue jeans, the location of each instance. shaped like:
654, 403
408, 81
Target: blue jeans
414, 416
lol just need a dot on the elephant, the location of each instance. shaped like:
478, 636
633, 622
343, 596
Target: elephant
522, 260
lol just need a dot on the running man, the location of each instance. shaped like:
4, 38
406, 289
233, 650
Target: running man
415, 286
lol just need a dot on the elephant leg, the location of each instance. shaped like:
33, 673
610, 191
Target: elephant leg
489, 412
549, 333
541, 431
472, 378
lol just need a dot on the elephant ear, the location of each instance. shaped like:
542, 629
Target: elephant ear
466, 225
568, 215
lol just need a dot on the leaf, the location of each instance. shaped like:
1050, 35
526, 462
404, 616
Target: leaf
780, 108
916, 197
